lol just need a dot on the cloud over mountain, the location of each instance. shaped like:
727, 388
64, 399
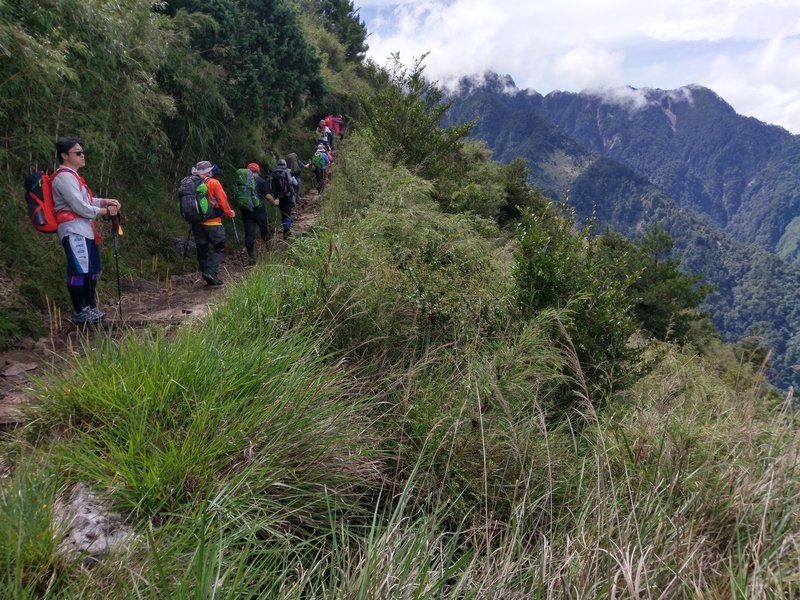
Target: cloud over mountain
749, 54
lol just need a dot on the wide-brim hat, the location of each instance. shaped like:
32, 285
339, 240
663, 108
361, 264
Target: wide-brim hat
202, 168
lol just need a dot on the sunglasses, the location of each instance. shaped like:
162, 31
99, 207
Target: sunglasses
77, 152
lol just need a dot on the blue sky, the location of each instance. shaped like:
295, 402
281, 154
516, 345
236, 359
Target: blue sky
748, 52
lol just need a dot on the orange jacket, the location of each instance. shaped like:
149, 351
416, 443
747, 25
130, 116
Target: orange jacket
217, 196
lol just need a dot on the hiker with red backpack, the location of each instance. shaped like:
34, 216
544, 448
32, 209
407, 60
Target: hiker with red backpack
76, 211
338, 126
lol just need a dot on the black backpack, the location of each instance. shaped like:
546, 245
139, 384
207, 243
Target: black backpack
279, 181
193, 199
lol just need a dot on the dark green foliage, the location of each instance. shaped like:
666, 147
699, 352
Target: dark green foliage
474, 183
341, 18
84, 68
664, 300
198, 126
519, 193
252, 61
664, 297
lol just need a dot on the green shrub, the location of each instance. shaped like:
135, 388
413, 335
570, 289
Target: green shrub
402, 117
403, 275
568, 271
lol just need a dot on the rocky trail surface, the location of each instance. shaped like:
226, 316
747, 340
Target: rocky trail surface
166, 304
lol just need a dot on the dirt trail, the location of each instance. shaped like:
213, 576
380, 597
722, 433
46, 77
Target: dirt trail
180, 299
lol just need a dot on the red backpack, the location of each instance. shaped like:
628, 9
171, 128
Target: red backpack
39, 196
41, 208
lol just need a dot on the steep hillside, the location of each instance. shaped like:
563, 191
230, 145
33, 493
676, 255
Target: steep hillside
438, 377
506, 120
736, 170
726, 187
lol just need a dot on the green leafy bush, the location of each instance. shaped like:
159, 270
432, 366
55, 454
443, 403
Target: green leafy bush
402, 117
557, 268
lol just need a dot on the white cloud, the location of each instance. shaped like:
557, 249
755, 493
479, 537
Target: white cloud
588, 66
580, 44
762, 83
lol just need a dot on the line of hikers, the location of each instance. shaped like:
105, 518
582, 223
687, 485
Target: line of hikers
203, 202
64, 204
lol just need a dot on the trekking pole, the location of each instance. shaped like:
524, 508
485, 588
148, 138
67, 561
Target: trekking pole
238, 243
186, 247
116, 226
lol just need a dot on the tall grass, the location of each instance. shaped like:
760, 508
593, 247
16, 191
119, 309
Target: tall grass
28, 561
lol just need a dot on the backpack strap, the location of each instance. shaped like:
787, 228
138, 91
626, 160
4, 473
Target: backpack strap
64, 216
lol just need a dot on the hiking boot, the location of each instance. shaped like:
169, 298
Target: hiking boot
212, 279
97, 314
84, 316
287, 234
251, 260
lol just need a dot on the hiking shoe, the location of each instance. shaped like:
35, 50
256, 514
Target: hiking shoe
251, 260
97, 314
287, 234
212, 279
84, 316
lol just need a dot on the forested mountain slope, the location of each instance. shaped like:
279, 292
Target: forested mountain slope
754, 289
742, 173
724, 186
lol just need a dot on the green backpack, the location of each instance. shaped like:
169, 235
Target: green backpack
245, 191
318, 161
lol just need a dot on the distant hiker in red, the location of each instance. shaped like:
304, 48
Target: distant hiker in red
76, 213
338, 126
211, 231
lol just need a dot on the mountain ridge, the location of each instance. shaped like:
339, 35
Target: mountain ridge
726, 187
